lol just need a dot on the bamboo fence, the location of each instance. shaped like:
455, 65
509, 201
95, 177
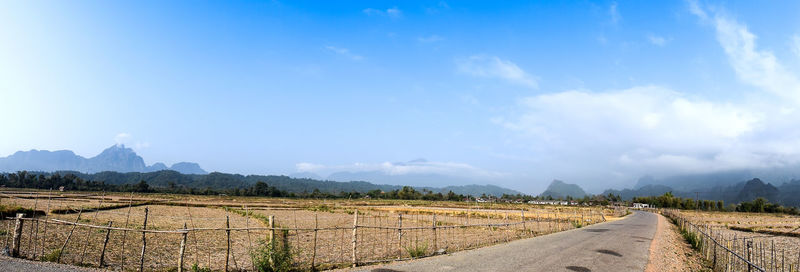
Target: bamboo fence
370, 236
731, 252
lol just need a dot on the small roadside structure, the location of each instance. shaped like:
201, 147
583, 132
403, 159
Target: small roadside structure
641, 205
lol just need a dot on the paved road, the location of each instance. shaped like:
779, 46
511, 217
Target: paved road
621, 245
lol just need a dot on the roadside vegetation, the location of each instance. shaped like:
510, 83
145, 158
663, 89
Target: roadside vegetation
758, 205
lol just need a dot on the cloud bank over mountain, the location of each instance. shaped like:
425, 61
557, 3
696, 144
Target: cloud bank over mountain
419, 172
654, 129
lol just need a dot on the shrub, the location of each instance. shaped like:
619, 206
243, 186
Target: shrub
273, 256
417, 251
52, 256
692, 238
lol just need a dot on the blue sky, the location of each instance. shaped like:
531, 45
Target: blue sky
511, 93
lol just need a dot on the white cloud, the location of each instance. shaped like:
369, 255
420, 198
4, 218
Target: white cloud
759, 68
122, 138
656, 130
344, 52
494, 67
430, 39
393, 12
652, 130
657, 40
695, 9
614, 13
395, 168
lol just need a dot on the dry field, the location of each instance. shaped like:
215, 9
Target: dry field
773, 239
318, 231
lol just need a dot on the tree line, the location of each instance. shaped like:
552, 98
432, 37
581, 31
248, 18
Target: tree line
758, 205
72, 182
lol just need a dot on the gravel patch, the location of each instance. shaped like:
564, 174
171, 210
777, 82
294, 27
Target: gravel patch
670, 252
14, 264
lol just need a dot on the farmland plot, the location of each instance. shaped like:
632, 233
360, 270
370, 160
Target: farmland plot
223, 232
768, 241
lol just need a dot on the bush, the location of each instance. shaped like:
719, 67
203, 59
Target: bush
692, 238
417, 251
52, 256
273, 256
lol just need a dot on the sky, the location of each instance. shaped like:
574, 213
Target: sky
510, 93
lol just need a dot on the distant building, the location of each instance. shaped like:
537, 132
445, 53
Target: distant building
641, 205
552, 202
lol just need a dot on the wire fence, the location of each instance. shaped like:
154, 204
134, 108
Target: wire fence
728, 251
146, 237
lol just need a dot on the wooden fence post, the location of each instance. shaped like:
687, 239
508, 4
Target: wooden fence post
435, 241
271, 221
522, 214
105, 244
400, 235
144, 239
183, 248
314, 249
228, 237
15, 241
714, 263
355, 230
505, 220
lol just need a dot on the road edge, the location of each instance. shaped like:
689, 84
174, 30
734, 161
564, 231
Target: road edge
651, 266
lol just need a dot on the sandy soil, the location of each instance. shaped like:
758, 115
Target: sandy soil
670, 252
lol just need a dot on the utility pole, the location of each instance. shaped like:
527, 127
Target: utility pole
697, 199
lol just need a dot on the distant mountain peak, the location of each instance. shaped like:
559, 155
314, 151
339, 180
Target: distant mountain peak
117, 158
560, 189
188, 168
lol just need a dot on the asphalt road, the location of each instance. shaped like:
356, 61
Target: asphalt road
621, 245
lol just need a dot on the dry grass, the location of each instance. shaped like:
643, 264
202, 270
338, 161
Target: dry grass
761, 229
459, 226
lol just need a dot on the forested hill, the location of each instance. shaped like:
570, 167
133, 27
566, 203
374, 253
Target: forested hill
221, 181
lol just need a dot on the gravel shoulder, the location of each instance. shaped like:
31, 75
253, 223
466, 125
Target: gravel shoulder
670, 252
14, 264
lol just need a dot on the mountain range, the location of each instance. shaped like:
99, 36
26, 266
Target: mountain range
121, 165
721, 186
117, 158
727, 190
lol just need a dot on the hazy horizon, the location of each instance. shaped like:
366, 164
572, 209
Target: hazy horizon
514, 94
